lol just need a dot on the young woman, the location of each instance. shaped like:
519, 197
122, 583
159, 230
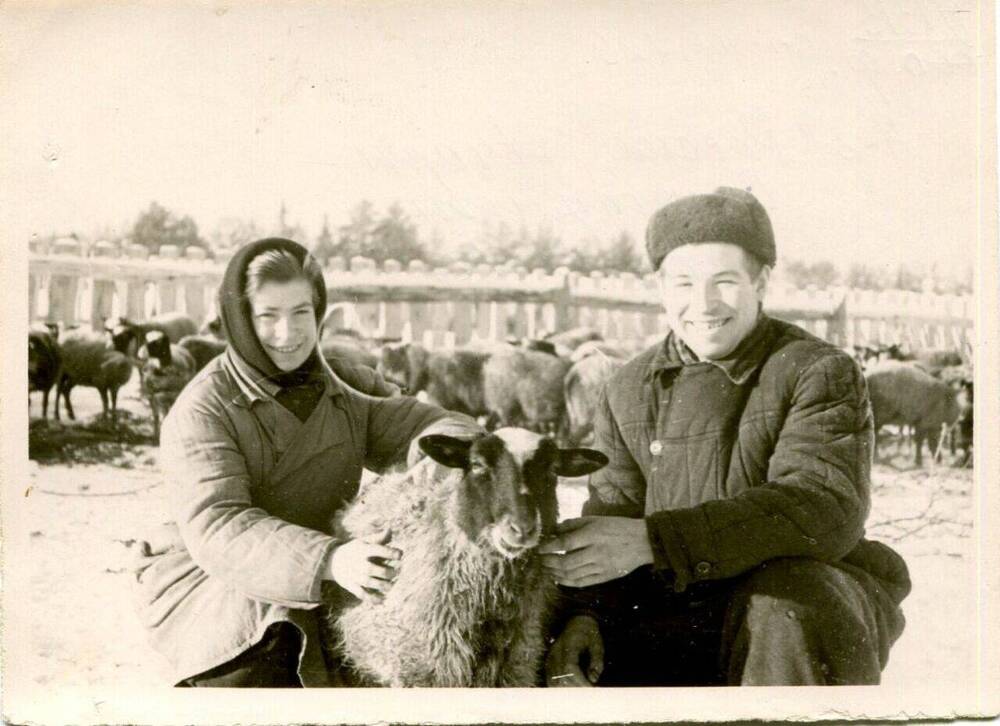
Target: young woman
259, 451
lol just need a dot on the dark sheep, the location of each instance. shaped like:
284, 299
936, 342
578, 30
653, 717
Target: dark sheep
89, 360
347, 351
128, 336
166, 368
213, 327
405, 364
44, 365
525, 388
452, 379
470, 604
541, 346
203, 348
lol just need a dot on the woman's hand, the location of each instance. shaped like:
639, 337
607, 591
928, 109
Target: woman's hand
365, 567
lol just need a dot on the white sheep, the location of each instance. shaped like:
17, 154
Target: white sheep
470, 603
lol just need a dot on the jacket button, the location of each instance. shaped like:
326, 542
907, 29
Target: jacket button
702, 569
655, 448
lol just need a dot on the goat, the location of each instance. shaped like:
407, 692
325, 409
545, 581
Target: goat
470, 602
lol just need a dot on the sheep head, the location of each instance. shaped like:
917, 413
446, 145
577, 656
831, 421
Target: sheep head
157, 346
507, 496
405, 365
124, 337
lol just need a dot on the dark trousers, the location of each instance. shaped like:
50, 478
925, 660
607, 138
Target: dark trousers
792, 621
271, 663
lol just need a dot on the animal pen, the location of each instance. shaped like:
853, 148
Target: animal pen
73, 283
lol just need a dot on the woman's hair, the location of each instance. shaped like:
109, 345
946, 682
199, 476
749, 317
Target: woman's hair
282, 266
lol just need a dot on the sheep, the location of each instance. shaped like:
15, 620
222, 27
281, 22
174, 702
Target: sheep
931, 360
542, 346
89, 359
583, 385
597, 347
936, 361
961, 380
525, 388
349, 351
128, 336
212, 327
569, 340
165, 370
453, 380
470, 603
203, 348
864, 355
405, 364
44, 364
903, 394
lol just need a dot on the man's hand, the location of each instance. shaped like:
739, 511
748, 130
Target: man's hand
596, 549
355, 566
563, 665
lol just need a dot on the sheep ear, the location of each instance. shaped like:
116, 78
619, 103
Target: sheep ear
579, 462
446, 450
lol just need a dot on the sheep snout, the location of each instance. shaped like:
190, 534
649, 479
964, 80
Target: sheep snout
512, 539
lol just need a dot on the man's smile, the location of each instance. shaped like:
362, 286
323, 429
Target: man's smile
707, 325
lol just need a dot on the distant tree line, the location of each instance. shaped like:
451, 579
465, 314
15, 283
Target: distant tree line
393, 235
860, 276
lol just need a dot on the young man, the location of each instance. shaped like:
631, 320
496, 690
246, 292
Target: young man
724, 543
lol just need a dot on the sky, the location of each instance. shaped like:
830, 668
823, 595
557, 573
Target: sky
855, 123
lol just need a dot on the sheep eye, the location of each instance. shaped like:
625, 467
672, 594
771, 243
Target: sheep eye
479, 467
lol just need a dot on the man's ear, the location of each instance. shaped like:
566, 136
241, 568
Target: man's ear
763, 278
447, 450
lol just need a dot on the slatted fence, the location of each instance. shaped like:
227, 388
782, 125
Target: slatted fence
76, 284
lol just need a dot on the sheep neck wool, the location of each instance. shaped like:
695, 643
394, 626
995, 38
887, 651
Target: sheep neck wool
300, 388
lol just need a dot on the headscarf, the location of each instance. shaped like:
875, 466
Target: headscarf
237, 324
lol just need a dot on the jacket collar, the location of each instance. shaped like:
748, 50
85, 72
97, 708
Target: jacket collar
254, 387
738, 366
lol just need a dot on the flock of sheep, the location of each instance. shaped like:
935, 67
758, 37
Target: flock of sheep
548, 385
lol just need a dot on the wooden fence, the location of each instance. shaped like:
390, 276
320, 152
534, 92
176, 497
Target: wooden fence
74, 284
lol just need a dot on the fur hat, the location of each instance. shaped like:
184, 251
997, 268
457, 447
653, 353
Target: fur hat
727, 215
